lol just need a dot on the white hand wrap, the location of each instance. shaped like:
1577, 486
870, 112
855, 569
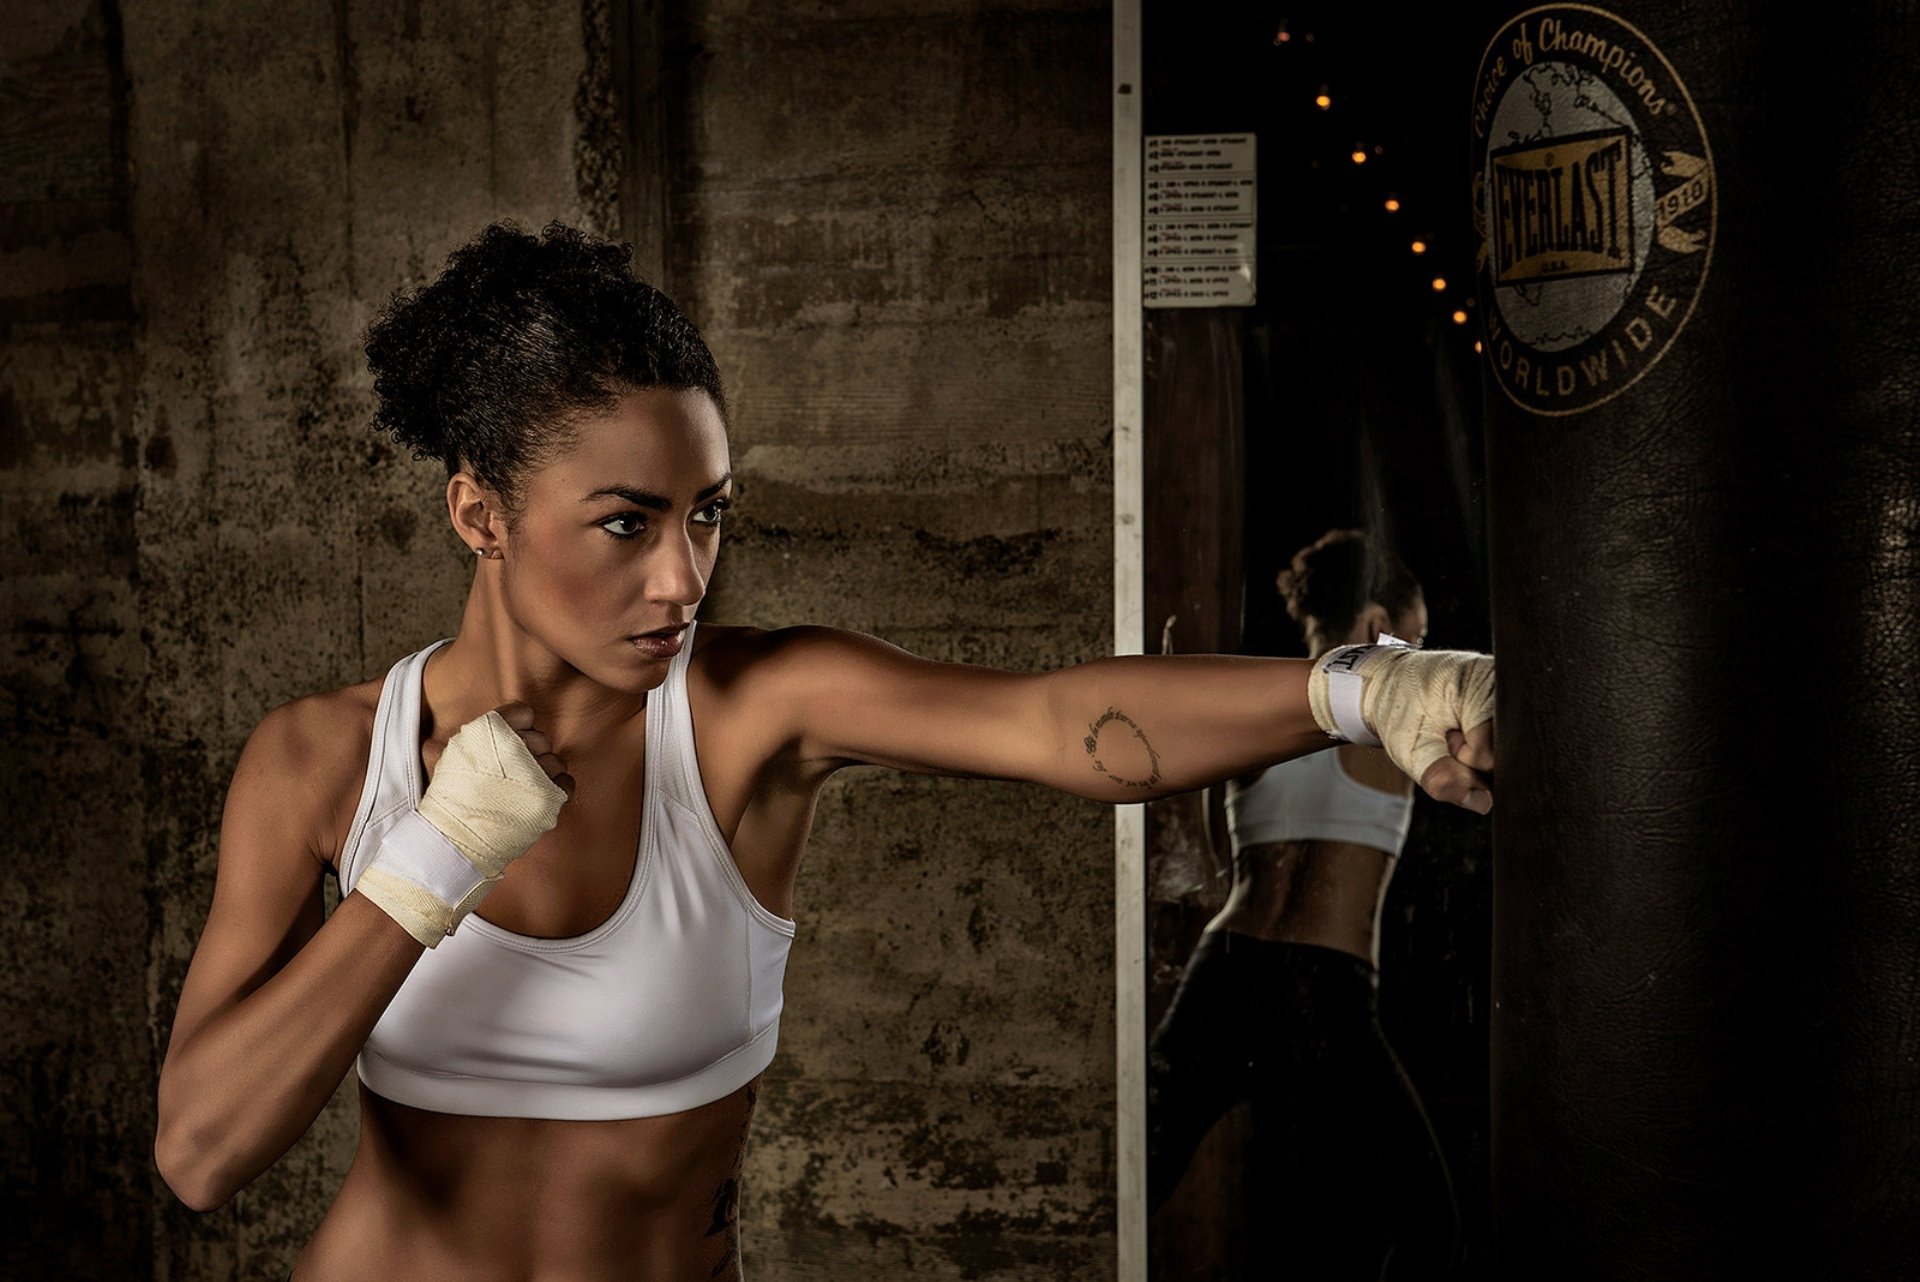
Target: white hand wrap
488, 802
1405, 700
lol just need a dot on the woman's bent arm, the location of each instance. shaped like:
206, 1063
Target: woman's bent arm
276, 1004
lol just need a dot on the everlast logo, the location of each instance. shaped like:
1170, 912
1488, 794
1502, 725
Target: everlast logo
1349, 659
1562, 210
1595, 205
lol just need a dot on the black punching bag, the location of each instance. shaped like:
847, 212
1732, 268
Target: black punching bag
1700, 296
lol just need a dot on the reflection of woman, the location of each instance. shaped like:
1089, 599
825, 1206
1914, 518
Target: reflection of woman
1278, 999
562, 1087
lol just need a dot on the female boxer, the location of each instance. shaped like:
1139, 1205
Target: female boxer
1278, 999
560, 1087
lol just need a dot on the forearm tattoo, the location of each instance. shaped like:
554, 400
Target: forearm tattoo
726, 1200
1117, 746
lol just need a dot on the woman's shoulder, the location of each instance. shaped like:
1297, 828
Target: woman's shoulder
312, 729
728, 650
731, 661
740, 666
300, 772
312, 751
711, 640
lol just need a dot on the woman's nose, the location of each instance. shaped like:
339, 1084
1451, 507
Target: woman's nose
675, 573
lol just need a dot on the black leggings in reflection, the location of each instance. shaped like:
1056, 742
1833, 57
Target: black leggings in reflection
1345, 1179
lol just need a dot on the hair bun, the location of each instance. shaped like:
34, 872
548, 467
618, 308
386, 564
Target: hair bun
1331, 580
488, 365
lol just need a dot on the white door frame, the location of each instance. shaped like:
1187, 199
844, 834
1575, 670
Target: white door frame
1129, 603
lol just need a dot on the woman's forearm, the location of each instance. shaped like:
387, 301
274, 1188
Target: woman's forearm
246, 1085
1141, 727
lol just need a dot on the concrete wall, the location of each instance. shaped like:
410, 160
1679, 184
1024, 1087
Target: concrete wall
891, 218
75, 1110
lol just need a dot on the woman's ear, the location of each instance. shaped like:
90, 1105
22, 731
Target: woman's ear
1372, 622
471, 509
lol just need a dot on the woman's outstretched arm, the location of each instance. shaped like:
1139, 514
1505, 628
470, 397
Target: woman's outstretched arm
1123, 729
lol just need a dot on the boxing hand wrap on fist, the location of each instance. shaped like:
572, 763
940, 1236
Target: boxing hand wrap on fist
489, 801
1405, 700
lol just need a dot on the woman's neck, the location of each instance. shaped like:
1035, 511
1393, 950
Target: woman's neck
492, 661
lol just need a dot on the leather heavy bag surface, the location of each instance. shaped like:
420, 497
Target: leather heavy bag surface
1700, 293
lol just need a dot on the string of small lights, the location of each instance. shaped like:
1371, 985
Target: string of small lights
1386, 185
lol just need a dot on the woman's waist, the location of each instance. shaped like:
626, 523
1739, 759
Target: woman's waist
638, 1160
368, 1235
505, 1199
1320, 893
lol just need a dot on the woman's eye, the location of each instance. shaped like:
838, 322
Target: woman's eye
633, 519
712, 512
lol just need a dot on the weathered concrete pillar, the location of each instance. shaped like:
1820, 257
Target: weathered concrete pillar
1701, 297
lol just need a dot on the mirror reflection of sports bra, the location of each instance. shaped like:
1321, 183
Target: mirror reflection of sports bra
1313, 798
672, 1002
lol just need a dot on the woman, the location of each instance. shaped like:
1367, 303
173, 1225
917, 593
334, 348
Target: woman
561, 1087
1361, 1188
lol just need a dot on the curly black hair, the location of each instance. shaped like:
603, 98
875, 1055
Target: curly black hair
488, 366
1332, 579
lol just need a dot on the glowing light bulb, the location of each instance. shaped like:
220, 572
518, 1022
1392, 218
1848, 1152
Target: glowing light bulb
1359, 157
1476, 344
1393, 206
1460, 318
1439, 283
1323, 102
1419, 247
1283, 36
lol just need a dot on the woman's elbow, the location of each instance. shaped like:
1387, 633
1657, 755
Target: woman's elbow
187, 1170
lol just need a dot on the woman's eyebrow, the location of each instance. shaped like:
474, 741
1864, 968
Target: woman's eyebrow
649, 500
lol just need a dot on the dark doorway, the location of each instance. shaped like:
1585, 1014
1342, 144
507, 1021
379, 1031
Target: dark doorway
1346, 396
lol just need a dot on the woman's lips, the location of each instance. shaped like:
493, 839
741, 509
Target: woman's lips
661, 644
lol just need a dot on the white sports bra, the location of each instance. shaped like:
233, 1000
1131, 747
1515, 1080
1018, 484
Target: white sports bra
671, 1003
1313, 798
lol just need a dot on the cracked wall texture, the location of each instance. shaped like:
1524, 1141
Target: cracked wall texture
891, 218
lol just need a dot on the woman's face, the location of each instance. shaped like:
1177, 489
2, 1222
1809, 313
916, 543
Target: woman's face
617, 538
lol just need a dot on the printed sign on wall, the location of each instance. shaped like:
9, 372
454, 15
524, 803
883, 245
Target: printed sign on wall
1199, 221
1594, 202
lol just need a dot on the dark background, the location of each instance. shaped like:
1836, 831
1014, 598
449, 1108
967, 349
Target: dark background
1358, 405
